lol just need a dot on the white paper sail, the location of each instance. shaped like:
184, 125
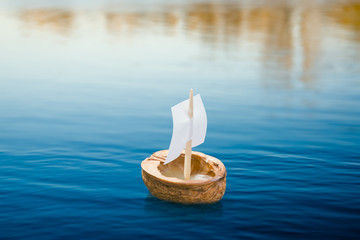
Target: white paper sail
185, 129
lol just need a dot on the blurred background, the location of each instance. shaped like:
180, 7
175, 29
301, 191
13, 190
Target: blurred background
86, 88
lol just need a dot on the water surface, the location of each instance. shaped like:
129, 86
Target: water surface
85, 94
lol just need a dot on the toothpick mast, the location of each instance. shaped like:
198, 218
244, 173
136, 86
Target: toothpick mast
187, 162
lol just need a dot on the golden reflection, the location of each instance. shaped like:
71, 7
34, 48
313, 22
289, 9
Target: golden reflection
260, 19
60, 21
137, 21
118, 21
169, 19
114, 22
272, 28
203, 19
310, 38
233, 19
348, 15
277, 30
275, 27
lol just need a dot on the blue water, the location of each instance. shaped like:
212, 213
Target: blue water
85, 94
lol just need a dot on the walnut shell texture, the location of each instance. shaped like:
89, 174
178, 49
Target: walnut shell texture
166, 182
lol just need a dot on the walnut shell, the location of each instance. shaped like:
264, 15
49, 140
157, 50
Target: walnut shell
166, 182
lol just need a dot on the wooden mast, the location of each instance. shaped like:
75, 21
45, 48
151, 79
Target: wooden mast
187, 162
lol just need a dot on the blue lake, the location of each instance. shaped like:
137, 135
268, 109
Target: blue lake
86, 89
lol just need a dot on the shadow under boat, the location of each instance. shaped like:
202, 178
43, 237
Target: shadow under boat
160, 208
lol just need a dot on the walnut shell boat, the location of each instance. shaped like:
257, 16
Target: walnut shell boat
207, 183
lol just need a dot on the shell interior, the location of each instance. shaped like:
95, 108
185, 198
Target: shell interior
200, 169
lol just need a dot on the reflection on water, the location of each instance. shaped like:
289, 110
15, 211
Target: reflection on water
284, 32
212, 21
56, 20
347, 15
